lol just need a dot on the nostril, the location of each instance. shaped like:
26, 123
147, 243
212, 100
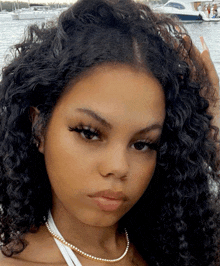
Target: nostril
107, 175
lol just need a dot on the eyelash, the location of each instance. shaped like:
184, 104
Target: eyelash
149, 145
82, 129
95, 132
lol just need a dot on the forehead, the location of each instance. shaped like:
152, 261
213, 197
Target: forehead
118, 92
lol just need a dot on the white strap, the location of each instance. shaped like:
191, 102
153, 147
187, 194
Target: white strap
67, 253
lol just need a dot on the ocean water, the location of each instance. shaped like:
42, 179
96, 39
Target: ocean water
11, 32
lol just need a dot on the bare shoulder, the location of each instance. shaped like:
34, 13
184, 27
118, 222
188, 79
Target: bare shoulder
4, 261
8, 263
40, 251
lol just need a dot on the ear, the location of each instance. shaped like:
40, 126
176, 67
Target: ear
37, 128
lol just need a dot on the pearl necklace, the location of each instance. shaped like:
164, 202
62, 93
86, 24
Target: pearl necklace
86, 255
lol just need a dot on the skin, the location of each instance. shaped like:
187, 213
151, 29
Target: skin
119, 157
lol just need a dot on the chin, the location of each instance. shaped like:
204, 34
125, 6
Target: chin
100, 220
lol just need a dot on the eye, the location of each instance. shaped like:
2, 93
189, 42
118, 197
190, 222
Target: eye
87, 132
140, 146
143, 146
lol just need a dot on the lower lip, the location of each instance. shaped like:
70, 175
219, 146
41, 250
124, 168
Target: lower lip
106, 204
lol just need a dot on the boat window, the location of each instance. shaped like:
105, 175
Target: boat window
175, 5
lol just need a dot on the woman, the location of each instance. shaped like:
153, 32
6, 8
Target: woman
93, 108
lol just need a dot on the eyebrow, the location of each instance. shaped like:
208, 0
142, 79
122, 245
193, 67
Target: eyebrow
95, 116
108, 125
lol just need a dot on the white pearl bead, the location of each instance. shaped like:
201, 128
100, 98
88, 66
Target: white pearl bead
88, 255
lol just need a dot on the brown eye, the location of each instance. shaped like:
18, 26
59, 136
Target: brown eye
141, 146
144, 146
86, 132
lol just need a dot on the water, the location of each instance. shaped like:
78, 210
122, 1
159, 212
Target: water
11, 32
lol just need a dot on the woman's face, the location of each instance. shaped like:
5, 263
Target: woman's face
100, 144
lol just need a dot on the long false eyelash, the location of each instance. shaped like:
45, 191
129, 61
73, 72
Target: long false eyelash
154, 146
81, 127
151, 145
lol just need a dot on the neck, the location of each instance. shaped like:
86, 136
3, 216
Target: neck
95, 240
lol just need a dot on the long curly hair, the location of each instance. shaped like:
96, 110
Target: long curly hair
176, 221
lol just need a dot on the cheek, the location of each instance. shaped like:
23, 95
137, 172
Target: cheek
141, 176
66, 163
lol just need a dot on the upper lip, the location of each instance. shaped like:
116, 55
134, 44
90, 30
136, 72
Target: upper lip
110, 194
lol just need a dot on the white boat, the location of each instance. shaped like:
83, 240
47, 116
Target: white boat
4, 11
36, 12
185, 11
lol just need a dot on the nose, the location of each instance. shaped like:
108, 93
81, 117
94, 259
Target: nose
114, 162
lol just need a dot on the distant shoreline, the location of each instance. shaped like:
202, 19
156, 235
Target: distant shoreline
12, 5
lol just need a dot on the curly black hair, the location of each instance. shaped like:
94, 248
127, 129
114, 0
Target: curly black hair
176, 221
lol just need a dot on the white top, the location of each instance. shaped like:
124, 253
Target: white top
67, 253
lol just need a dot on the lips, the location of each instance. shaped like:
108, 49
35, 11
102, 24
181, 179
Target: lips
108, 200
110, 194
